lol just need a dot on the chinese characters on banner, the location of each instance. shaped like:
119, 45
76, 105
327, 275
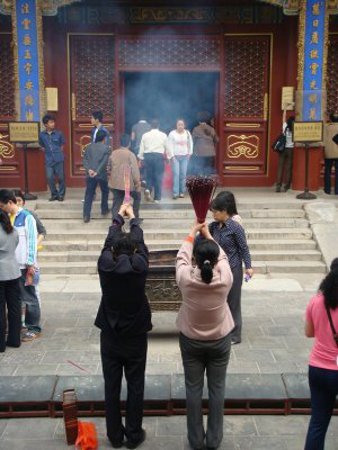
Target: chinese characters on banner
313, 60
28, 59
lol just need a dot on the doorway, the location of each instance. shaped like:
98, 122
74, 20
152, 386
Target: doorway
168, 96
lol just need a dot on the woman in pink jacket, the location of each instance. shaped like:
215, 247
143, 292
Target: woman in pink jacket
322, 324
204, 278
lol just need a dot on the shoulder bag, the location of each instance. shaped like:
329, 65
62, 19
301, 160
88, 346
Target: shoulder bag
334, 332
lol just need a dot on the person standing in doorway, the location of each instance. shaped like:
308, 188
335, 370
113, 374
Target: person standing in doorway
52, 142
205, 140
10, 298
180, 146
204, 320
331, 153
97, 122
286, 157
123, 163
230, 236
26, 256
95, 162
137, 131
152, 151
124, 318
321, 322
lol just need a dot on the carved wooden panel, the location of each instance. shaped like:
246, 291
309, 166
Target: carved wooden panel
246, 60
7, 104
168, 52
332, 71
92, 59
92, 69
244, 149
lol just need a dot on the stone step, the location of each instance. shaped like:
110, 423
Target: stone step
254, 244
76, 213
168, 204
86, 233
170, 223
265, 255
89, 267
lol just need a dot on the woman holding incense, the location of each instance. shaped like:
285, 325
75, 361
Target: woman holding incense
204, 320
124, 318
231, 237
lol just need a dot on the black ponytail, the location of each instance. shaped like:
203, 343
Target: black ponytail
206, 253
329, 286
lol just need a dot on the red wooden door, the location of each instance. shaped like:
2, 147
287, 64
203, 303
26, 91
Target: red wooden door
92, 87
244, 151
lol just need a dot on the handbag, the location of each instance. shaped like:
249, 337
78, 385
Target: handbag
87, 436
334, 332
335, 138
279, 144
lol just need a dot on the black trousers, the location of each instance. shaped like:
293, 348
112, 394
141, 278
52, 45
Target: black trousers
118, 200
10, 297
154, 164
234, 302
128, 354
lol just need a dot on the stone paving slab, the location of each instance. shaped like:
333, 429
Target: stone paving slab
169, 433
273, 340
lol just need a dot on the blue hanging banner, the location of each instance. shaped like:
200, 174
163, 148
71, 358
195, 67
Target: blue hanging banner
26, 22
314, 40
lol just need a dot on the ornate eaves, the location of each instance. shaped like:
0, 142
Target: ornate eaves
48, 7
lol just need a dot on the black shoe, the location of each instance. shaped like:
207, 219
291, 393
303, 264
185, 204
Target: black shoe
235, 341
86, 219
135, 444
286, 188
278, 189
52, 199
117, 444
105, 213
61, 199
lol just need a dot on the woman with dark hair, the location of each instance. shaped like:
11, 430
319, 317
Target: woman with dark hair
286, 157
124, 318
231, 237
10, 297
322, 323
205, 322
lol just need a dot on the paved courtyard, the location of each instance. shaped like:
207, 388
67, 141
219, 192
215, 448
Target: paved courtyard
273, 338
169, 433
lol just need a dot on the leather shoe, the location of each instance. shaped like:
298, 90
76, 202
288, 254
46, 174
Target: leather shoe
52, 199
86, 219
117, 444
135, 444
61, 199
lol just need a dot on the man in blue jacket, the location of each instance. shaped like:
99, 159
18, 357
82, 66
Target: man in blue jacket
52, 142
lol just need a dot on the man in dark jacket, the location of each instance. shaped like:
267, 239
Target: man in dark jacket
95, 162
124, 318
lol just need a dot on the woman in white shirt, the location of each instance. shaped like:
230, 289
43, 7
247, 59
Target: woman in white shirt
180, 146
286, 157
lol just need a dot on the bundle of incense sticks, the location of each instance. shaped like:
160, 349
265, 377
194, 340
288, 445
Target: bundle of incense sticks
126, 178
201, 190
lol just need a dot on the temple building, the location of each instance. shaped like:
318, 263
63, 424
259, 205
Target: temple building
238, 59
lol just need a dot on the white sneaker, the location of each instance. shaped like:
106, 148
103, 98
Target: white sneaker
147, 195
157, 201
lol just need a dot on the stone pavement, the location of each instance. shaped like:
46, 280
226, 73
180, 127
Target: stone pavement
273, 338
169, 433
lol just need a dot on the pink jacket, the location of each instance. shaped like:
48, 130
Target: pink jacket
204, 313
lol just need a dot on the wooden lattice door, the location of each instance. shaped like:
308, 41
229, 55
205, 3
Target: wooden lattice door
244, 149
92, 84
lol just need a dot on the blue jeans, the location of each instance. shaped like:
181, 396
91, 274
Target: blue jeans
180, 165
154, 164
31, 301
198, 357
52, 171
90, 192
324, 390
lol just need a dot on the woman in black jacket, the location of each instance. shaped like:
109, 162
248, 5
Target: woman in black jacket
124, 318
